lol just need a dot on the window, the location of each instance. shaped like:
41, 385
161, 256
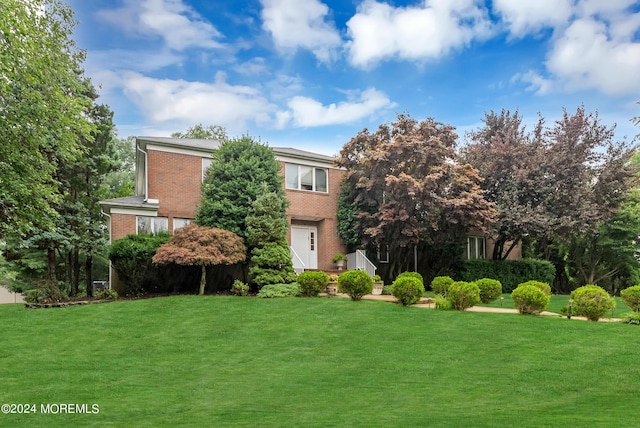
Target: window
151, 225
180, 222
206, 163
383, 254
475, 248
304, 177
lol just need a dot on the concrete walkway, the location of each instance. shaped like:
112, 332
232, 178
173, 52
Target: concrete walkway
8, 297
424, 303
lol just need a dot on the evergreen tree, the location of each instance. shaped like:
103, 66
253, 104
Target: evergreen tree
239, 170
267, 234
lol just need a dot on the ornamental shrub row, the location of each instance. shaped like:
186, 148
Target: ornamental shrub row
508, 272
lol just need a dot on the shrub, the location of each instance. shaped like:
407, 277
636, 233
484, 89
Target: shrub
530, 299
592, 302
386, 290
280, 290
631, 296
544, 287
355, 283
463, 295
312, 283
271, 264
106, 294
442, 303
631, 318
508, 272
131, 258
440, 285
490, 289
407, 289
239, 288
415, 275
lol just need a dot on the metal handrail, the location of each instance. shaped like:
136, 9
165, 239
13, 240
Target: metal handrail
296, 261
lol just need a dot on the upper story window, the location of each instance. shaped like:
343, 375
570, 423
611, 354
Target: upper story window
304, 177
475, 247
151, 225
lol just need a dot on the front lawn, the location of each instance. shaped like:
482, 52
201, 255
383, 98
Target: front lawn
233, 361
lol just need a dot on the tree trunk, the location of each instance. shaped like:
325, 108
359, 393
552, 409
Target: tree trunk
75, 277
51, 271
203, 280
88, 267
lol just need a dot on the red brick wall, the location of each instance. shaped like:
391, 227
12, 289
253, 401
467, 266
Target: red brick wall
122, 225
306, 203
175, 180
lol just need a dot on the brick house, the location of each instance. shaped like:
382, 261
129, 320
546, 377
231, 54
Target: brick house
168, 176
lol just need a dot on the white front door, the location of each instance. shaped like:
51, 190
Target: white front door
304, 240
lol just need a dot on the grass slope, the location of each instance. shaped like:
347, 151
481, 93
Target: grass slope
229, 361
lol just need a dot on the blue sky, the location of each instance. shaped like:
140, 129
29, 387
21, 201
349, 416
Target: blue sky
311, 74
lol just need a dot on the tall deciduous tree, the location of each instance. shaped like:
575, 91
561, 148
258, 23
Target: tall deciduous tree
408, 188
43, 106
556, 186
194, 245
509, 161
239, 170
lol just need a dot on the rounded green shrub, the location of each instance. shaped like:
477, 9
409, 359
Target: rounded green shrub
530, 299
592, 302
490, 289
355, 283
463, 295
631, 297
440, 285
312, 283
386, 290
407, 289
415, 275
543, 286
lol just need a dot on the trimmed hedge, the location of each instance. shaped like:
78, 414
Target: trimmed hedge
407, 289
415, 275
355, 283
592, 302
510, 273
490, 289
312, 283
463, 295
530, 299
631, 297
440, 285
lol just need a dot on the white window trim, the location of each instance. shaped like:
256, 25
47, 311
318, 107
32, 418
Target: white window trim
153, 224
476, 240
313, 174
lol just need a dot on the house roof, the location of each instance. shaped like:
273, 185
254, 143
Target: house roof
210, 145
198, 144
130, 202
302, 154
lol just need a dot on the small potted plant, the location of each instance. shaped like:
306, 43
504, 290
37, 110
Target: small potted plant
339, 260
377, 284
332, 286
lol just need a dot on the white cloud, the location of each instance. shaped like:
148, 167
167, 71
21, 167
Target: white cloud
176, 23
536, 82
307, 112
525, 17
302, 24
586, 56
143, 61
430, 31
192, 102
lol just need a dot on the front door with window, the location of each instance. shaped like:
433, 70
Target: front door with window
304, 240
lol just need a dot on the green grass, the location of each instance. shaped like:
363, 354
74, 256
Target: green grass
556, 303
233, 361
